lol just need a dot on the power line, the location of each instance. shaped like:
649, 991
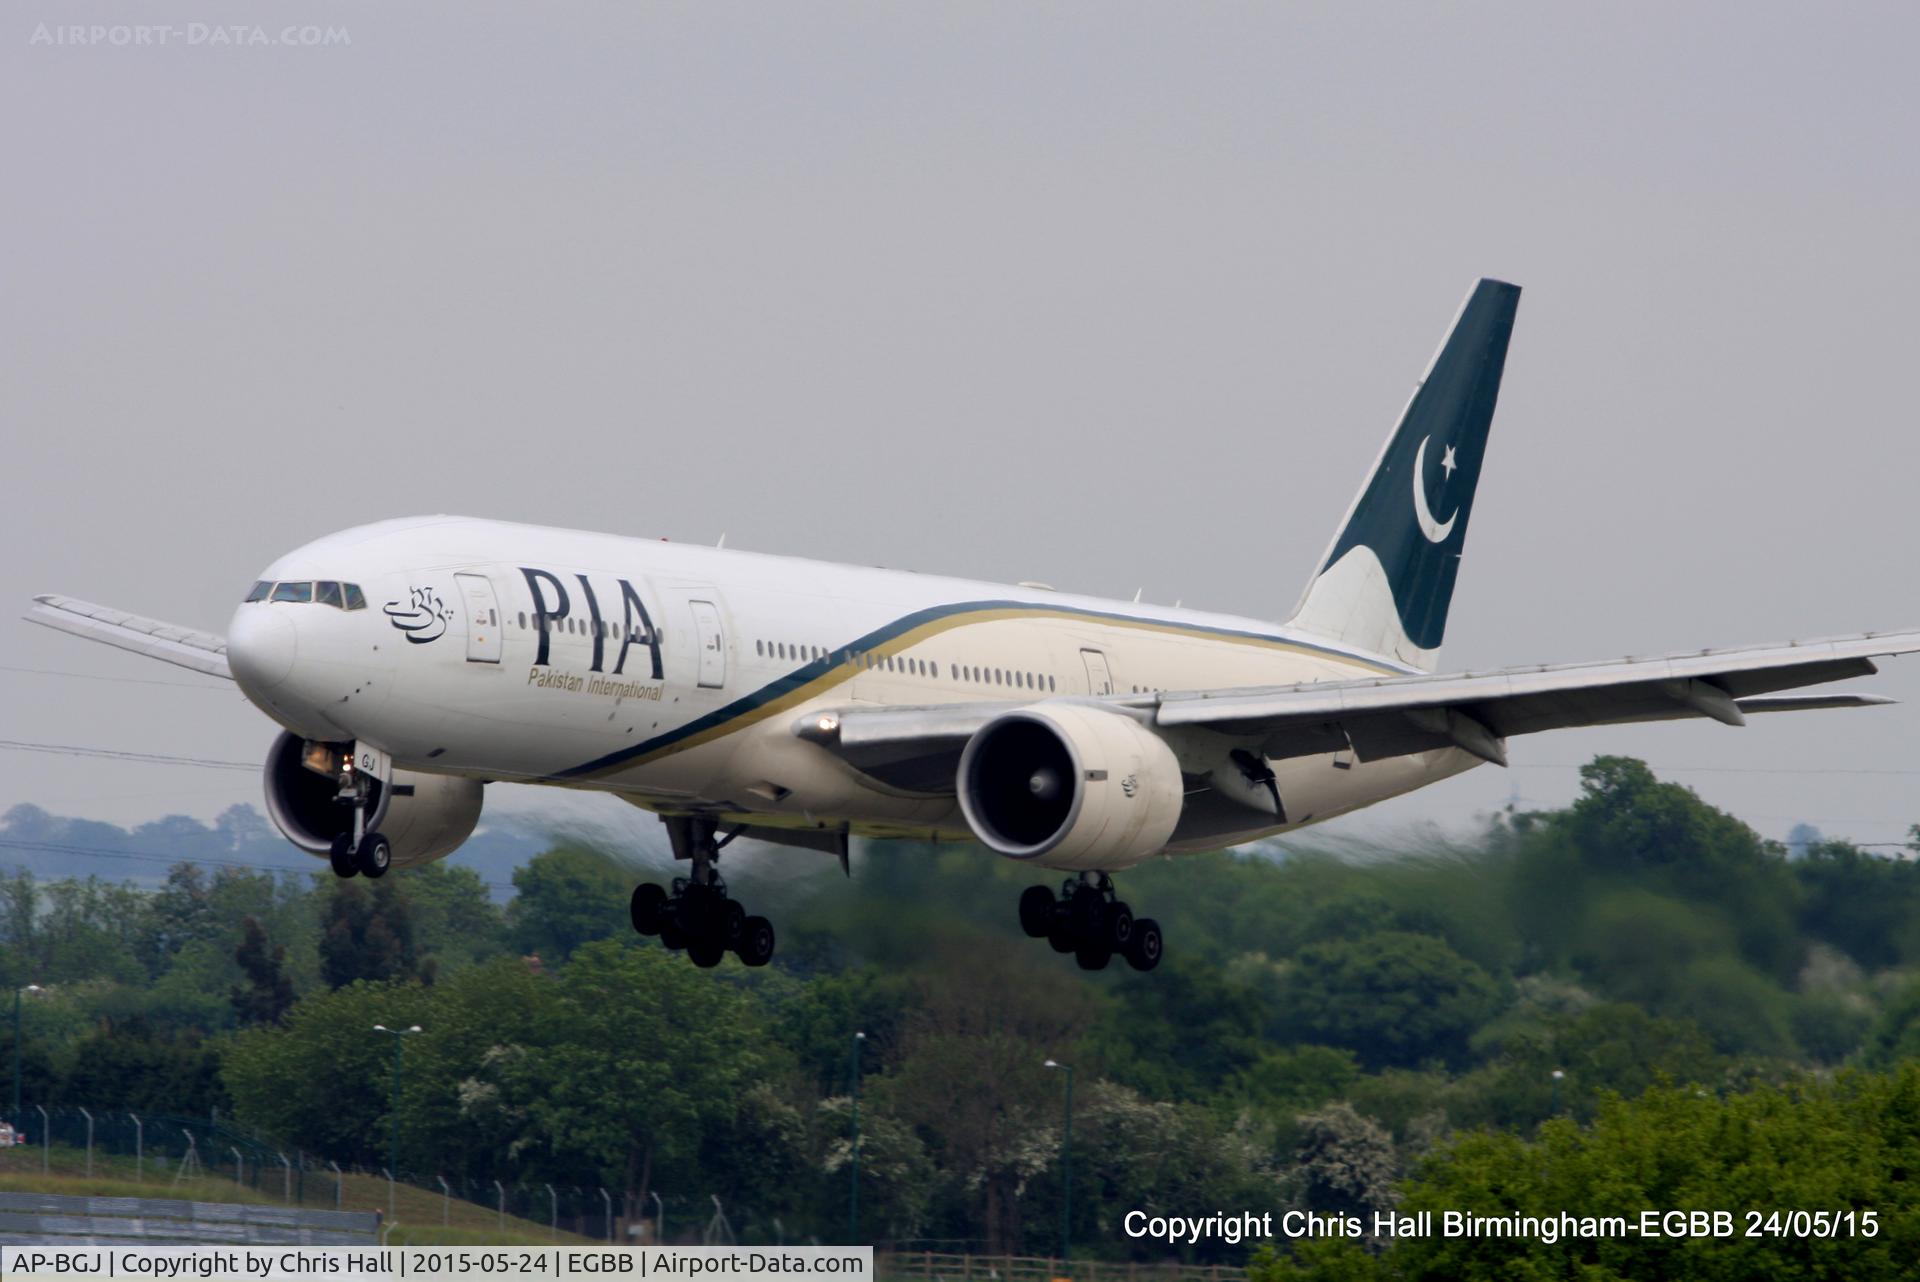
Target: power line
95, 676
119, 754
155, 857
1728, 770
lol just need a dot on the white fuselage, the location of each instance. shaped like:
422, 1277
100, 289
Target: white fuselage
673, 675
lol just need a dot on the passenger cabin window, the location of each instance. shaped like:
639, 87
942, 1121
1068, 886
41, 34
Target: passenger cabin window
327, 592
298, 592
260, 591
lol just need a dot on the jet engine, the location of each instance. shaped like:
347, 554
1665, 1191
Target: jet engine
1070, 786
424, 817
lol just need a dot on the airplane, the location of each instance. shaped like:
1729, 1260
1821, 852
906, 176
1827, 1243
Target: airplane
411, 662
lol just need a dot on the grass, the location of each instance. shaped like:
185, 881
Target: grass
417, 1211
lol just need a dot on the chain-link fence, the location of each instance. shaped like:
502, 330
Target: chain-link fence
164, 1150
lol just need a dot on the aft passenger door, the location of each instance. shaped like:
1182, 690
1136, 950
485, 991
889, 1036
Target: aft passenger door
482, 609
1099, 677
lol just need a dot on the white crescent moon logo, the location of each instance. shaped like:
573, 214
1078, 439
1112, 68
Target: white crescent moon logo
1436, 531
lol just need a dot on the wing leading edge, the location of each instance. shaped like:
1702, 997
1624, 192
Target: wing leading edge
1385, 717
201, 651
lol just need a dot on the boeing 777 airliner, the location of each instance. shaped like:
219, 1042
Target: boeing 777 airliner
413, 661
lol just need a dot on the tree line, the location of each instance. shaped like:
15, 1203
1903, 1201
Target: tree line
1332, 1033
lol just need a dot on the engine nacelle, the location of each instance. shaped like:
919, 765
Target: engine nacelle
423, 817
1070, 786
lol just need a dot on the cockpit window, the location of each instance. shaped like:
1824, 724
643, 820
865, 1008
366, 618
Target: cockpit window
355, 601
294, 592
327, 592
260, 591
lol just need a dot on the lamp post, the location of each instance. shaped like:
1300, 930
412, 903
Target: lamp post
399, 1036
14, 1116
1558, 1074
659, 1217
853, 1190
1066, 1164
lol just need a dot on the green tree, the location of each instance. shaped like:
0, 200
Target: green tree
1606, 1050
970, 1078
1391, 997
897, 1176
1344, 1165
1284, 1081
566, 898
327, 1047
1183, 1030
634, 1056
132, 1065
1864, 904
266, 992
1845, 1145
1133, 1153
368, 935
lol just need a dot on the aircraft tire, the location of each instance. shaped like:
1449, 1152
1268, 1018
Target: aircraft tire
756, 941
1094, 955
375, 855
647, 908
341, 856
1144, 949
1119, 926
706, 952
1060, 937
1037, 906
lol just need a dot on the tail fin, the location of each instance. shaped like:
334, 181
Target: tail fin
1387, 579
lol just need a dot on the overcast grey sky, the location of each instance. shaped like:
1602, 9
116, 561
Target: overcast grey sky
1106, 295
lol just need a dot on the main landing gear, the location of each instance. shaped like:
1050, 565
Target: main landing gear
1090, 922
697, 915
357, 851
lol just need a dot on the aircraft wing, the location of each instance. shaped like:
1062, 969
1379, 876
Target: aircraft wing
201, 651
1384, 717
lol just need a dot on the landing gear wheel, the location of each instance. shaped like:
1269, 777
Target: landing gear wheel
702, 914
649, 901
696, 914
1036, 911
756, 941
1119, 926
1060, 937
375, 855
1094, 956
1143, 950
1088, 913
706, 951
341, 856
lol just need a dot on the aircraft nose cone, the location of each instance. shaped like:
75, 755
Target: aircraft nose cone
261, 646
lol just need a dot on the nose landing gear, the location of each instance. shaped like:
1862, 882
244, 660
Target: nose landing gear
1091, 922
697, 914
357, 851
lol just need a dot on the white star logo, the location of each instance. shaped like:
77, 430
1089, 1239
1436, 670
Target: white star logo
1447, 464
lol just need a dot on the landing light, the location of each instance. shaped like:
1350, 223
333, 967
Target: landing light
828, 724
